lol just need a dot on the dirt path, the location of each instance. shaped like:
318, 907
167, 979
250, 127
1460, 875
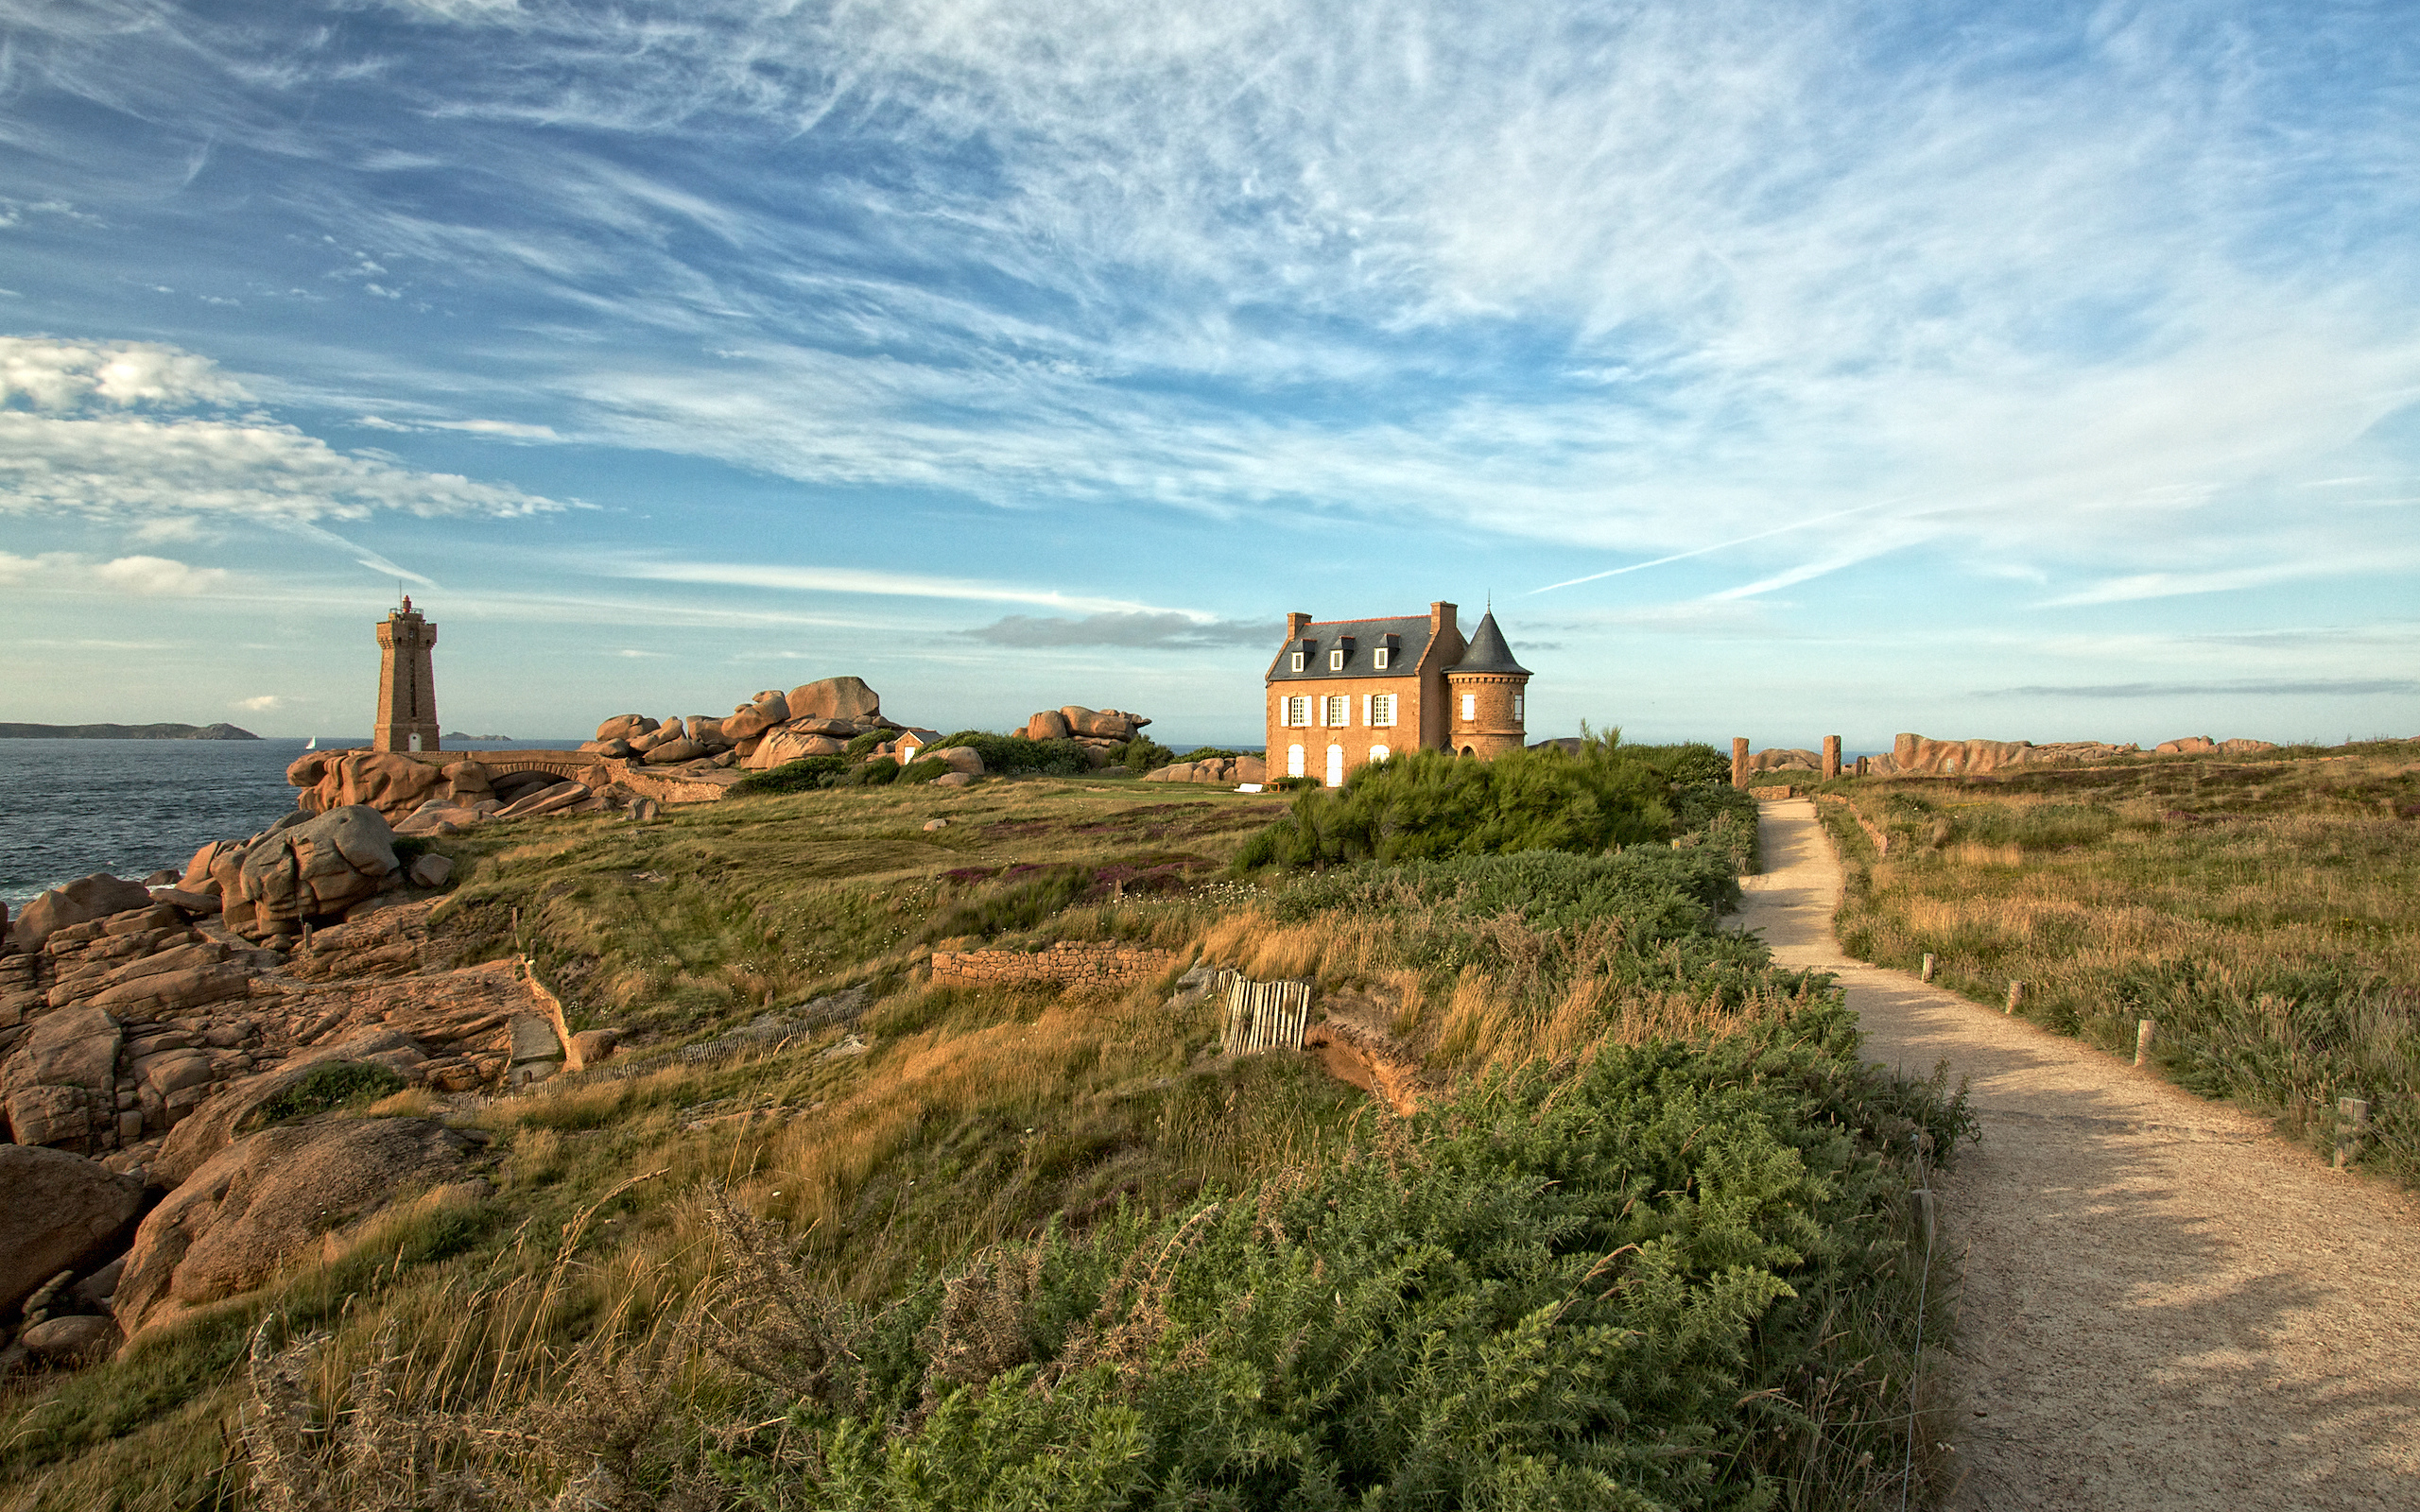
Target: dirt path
2163, 1305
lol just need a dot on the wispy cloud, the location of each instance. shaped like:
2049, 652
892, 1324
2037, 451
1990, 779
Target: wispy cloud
137, 576
2241, 688
868, 581
107, 436
1134, 632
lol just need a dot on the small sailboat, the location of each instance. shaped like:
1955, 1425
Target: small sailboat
312, 744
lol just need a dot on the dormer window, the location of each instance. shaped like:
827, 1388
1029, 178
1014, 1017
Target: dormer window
1378, 659
1336, 660
1297, 666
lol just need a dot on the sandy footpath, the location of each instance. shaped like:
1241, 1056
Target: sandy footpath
2163, 1305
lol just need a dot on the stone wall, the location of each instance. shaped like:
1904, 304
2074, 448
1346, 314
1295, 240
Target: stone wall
1069, 963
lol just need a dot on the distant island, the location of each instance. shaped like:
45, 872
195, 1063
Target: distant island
456, 734
221, 732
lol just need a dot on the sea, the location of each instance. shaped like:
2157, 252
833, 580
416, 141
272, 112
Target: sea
69, 808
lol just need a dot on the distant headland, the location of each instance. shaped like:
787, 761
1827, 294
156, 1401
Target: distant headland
221, 731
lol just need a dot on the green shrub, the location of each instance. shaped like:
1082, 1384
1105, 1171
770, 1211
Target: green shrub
1434, 803
338, 1084
875, 773
1016, 756
860, 744
923, 769
1141, 754
1617, 1286
801, 776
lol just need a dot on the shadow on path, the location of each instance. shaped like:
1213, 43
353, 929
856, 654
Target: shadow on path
2162, 1305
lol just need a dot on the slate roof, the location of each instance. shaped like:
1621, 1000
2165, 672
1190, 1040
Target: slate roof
1487, 651
1411, 632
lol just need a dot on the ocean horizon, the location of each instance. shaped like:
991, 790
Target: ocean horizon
69, 808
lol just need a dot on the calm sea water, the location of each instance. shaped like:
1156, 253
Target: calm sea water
69, 808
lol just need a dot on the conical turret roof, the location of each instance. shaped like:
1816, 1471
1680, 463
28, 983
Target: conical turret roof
1487, 651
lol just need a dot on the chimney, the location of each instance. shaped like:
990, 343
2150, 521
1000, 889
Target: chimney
1295, 623
1440, 619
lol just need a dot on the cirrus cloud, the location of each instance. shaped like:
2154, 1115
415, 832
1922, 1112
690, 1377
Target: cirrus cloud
140, 576
106, 430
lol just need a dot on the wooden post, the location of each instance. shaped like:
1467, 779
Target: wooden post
1831, 757
1739, 761
2015, 997
2352, 1124
1928, 964
2144, 1031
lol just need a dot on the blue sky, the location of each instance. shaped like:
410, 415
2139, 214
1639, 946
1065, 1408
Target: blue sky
2021, 370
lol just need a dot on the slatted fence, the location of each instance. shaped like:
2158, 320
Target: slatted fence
1265, 1016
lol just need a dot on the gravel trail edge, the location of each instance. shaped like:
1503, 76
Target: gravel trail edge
2161, 1304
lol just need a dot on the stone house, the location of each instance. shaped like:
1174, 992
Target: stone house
1345, 693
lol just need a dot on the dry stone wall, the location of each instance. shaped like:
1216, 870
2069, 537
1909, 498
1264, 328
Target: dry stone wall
1067, 964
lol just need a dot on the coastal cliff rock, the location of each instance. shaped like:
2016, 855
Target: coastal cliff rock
61, 1213
80, 901
1224, 769
269, 1198
315, 869
59, 1085
391, 783
1917, 756
835, 699
769, 708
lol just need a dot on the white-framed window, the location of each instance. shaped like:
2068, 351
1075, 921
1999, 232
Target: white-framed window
1517, 707
1297, 711
1382, 710
1293, 760
1296, 662
1336, 660
1380, 754
1339, 711
1378, 659
1470, 706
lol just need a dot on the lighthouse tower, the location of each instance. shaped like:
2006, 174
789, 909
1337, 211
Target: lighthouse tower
406, 718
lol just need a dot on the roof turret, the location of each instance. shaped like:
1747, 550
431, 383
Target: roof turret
1487, 651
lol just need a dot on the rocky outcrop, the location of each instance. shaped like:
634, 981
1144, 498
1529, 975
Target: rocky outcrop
312, 871
1916, 756
89, 898
1075, 721
768, 709
62, 1212
74, 1340
60, 1086
389, 783
2205, 746
846, 699
1225, 770
272, 1197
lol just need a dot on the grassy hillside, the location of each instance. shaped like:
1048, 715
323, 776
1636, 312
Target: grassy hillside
825, 1234
2265, 912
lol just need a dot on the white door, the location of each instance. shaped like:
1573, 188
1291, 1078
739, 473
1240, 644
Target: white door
1293, 760
1335, 767
1380, 754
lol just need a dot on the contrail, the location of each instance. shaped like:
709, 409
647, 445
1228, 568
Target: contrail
1719, 545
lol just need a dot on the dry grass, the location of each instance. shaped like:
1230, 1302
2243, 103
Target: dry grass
2266, 915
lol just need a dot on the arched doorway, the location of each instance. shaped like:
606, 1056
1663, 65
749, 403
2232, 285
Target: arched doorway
1293, 760
1379, 753
1335, 767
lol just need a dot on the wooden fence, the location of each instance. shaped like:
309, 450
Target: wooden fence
1265, 1016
